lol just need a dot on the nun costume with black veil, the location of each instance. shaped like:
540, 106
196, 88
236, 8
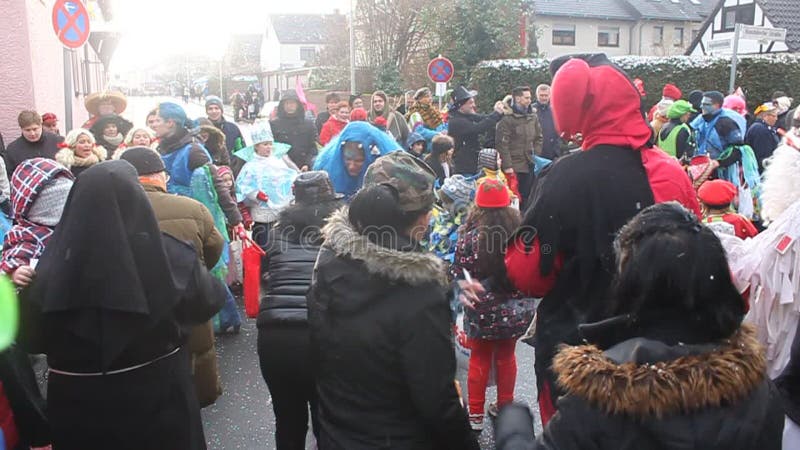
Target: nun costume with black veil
111, 305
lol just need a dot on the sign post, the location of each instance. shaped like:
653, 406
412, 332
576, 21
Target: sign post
764, 35
440, 71
71, 25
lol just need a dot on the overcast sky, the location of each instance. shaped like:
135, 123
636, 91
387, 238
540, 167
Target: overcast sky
154, 29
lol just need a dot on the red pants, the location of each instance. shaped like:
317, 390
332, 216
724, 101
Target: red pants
480, 365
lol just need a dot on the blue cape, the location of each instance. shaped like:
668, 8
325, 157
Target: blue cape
330, 157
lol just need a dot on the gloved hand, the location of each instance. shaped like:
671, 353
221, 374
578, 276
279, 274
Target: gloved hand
262, 196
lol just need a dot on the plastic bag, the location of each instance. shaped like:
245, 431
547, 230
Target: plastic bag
251, 260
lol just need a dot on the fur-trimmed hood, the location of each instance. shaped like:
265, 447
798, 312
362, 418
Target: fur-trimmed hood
66, 156
404, 266
508, 108
717, 376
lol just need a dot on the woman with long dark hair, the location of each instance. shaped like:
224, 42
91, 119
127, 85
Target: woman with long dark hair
501, 314
110, 307
380, 323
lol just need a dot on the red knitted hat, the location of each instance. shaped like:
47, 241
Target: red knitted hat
717, 192
671, 91
492, 193
358, 114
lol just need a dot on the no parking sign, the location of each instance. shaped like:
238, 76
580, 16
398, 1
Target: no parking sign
71, 23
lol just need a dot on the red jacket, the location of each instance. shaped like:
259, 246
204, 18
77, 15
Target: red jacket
331, 129
742, 227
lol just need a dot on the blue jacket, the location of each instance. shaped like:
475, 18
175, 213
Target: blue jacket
716, 132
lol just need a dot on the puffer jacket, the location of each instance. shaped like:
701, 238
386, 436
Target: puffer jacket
518, 137
292, 249
710, 396
296, 131
189, 221
382, 346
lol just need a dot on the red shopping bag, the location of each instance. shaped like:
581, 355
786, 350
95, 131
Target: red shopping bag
251, 262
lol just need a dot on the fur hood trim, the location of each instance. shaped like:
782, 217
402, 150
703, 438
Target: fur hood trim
67, 158
683, 385
411, 267
507, 109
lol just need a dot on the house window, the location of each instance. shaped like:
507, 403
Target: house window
658, 35
731, 15
563, 34
677, 37
608, 37
308, 54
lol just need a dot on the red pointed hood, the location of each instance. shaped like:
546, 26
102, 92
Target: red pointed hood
594, 97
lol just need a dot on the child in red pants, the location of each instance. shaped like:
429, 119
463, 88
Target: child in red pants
501, 315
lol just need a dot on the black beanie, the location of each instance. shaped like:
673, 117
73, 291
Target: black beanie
695, 98
145, 160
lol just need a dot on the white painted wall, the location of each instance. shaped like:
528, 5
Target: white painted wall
585, 36
745, 46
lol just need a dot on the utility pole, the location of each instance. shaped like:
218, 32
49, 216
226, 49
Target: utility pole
352, 50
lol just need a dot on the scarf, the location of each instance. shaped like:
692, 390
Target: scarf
114, 140
431, 116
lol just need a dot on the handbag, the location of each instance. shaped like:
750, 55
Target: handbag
251, 262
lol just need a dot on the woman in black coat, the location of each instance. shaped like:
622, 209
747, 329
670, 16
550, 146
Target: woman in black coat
672, 367
283, 335
110, 306
380, 322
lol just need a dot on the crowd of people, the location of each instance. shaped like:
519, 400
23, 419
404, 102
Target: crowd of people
648, 257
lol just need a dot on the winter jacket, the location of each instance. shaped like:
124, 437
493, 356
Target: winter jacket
439, 167
715, 132
233, 136
197, 157
502, 312
396, 124
551, 142
710, 396
188, 220
67, 158
22, 149
319, 122
518, 137
382, 345
331, 128
763, 139
296, 131
26, 240
123, 126
466, 129
292, 249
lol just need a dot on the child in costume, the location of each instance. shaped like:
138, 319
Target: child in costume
501, 314
716, 198
455, 198
265, 184
489, 164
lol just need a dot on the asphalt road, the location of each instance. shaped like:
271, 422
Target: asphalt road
242, 418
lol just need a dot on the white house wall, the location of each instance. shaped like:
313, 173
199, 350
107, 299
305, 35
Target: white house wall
585, 36
745, 46
290, 54
645, 33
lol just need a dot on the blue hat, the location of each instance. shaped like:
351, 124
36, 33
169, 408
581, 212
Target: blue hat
262, 132
172, 111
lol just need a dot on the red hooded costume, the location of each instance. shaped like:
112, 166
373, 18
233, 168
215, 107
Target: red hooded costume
564, 250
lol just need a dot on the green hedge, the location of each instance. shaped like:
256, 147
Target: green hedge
759, 76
